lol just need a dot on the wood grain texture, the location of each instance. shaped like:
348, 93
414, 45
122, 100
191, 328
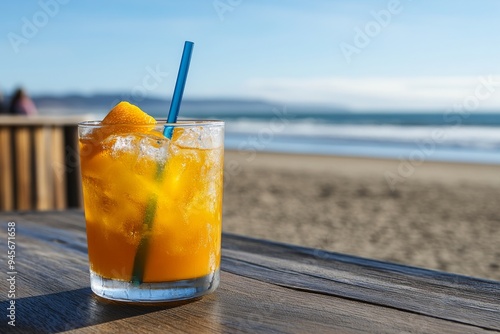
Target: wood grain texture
437, 294
58, 168
258, 291
44, 178
24, 181
36, 172
6, 170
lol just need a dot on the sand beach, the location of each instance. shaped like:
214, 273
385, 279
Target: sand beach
442, 216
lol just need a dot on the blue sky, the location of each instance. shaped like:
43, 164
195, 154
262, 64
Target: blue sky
418, 54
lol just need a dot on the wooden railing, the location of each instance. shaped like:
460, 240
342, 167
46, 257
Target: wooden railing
39, 163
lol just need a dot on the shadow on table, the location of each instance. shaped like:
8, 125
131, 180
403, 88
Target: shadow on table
71, 310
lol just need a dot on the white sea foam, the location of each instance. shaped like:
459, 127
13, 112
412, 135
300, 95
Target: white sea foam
480, 137
478, 144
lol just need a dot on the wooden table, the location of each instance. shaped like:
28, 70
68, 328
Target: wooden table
265, 288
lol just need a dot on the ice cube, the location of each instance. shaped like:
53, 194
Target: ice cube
86, 132
144, 146
121, 144
153, 147
206, 137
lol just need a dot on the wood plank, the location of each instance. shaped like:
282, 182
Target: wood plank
31, 190
453, 297
43, 171
6, 170
59, 168
52, 270
23, 169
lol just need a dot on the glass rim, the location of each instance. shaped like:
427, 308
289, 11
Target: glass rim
159, 122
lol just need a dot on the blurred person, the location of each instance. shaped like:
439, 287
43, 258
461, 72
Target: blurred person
22, 104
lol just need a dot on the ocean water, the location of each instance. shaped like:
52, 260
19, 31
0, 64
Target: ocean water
404, 137
451, 136
433, 143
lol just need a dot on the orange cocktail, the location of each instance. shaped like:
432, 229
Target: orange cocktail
131, 175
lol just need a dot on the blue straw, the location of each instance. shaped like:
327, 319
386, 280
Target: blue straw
179, 88
142, 249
